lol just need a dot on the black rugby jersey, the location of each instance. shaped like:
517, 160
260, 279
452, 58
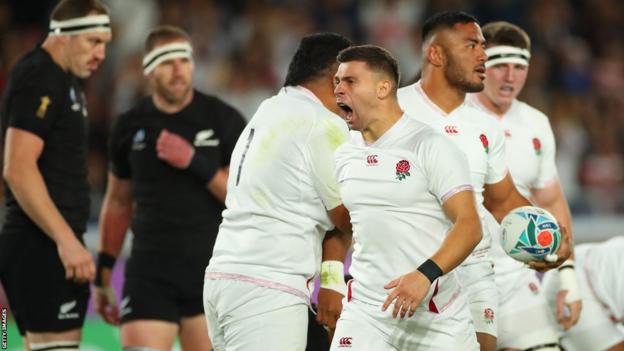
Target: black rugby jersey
45, 100
174, 212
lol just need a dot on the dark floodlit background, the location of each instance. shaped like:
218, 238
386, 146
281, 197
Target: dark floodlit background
242, 49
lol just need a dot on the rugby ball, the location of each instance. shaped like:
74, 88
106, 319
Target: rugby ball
530, 233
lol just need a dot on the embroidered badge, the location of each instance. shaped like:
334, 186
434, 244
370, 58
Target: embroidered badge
485, 142
537, 146
402, 169
488, 316
534, 289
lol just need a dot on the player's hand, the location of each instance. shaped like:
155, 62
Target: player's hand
328, 308
555, 260
567, 313
174, 149
106, 305
409, 290
76, 259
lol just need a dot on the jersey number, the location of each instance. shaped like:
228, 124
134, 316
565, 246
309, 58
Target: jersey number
240, 166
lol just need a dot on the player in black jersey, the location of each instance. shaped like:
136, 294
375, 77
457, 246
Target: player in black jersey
44, 265
169, 157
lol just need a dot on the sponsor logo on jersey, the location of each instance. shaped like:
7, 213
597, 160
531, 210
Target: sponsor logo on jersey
345, 341
488, 316
451, 130
402, 169
65, 310
537, 146
43, 106
138, 141
485, 142
124, 309
371, 160
202, 138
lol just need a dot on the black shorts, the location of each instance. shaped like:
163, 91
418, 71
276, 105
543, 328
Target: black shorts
33, 277
162, 287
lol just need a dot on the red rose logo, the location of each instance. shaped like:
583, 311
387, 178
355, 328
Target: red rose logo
488, 315
485, 142
402, 169
537, 146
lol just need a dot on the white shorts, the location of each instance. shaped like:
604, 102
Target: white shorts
525, 320
480, 287
242, 316
594, 330
364, 327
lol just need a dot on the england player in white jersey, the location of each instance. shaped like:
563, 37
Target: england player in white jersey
524, 319
453, 65
599, 271
282, 198
414, 219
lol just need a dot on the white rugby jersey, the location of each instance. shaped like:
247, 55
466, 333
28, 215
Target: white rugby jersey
480, 139
602, 266
281, 185
394, 190
530, 149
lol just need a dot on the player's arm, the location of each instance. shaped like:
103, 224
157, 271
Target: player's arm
461, 240
502, 197
552, 199
115, 217
179, 153
22, 174
336, 245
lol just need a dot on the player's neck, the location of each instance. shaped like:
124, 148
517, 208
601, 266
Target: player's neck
498, 110
382, 119
441, 93
54, 48
323, 89
171, 107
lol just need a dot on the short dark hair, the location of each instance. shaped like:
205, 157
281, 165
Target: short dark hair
505, 33
376, 57
68, 9
164, 33
315, 55
445, 20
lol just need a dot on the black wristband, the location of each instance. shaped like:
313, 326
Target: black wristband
431, 270
565, 266
202, 168
104, 260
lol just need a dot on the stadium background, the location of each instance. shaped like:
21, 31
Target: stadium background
242, 49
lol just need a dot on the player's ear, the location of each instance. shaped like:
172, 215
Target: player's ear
435, 54
384, 88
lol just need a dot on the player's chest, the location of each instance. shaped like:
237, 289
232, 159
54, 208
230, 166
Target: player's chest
524, 151
379, 177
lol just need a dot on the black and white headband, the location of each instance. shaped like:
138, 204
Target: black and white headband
79, 25
164, 53
506, 54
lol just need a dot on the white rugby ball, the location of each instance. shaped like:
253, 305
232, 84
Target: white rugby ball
530, 233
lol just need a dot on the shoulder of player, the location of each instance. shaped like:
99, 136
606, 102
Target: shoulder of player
33, 71
134, 115
531, 113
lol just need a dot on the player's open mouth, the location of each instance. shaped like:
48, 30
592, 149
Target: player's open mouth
480, 71
348, 112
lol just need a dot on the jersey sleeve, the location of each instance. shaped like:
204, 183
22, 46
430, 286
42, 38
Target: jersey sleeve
497, 166
548, 168
446, 168
326, 136
34, 107
119, 148
234, 123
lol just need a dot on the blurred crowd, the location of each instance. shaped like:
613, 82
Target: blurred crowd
242, 49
